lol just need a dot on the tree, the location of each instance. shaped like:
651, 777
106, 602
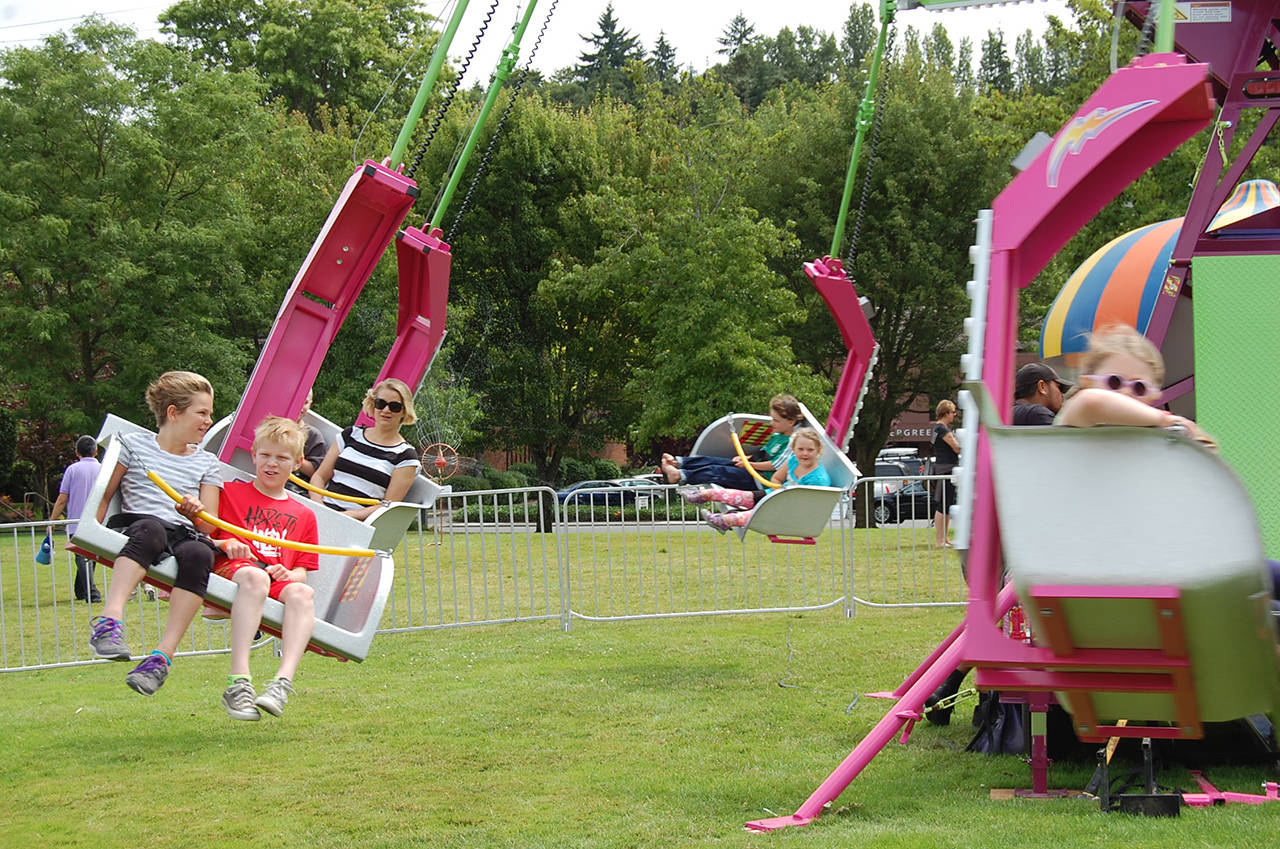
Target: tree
602, 70
938, 50
125, 226
859, 35
663, 59
995, 72
313, 55
738, 34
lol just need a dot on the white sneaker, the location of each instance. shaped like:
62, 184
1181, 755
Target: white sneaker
238, 700
274, 697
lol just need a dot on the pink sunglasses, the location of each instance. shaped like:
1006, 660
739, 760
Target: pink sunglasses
1116, 382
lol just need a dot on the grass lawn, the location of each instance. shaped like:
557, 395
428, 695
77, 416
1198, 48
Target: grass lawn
653, 734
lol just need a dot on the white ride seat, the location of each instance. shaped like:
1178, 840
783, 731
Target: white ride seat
797, 513
350, 592
1111, 535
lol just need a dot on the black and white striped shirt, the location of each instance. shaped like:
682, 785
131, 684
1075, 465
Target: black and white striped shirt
363, 468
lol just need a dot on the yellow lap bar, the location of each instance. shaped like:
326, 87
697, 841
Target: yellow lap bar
746, 464
354, 499
245, 532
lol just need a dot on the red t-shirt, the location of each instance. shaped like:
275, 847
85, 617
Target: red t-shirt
242, 504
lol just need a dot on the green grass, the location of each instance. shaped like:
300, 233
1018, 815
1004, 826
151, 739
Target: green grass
663, 734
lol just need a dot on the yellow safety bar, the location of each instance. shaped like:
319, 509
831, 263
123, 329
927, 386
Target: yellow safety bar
245, 532
746, 464
354, 499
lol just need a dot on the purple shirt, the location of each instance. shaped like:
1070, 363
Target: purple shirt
77, 480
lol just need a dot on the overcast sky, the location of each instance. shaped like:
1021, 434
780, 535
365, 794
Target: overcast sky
691, 26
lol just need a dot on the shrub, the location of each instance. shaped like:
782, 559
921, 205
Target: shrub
573, 470
509, 479
605, 469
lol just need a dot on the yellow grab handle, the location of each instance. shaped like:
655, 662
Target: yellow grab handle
245, 532
746, 464
354, 499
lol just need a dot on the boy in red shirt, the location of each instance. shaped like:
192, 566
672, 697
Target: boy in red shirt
260, 570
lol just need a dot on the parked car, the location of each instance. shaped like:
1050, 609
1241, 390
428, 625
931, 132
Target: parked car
642, 488
610, 494
891, 476
910, 502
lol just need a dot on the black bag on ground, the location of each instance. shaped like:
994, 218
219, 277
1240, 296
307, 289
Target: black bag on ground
1002, 729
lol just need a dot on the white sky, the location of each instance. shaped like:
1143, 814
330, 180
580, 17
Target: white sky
691, 26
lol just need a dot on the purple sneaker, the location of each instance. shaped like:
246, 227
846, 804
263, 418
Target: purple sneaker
692, 494
107, 639
715, 520
148, 676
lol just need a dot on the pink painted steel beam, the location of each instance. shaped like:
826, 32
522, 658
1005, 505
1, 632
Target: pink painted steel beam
841, 297
372, 205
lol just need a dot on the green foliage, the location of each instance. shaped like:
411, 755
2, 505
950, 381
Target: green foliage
8, 445
573, 470
498, 479
605, 469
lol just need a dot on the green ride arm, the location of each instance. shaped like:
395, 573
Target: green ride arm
505, 66
428, 83
866, 112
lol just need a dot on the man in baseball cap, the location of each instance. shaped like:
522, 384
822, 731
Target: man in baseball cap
1037, 394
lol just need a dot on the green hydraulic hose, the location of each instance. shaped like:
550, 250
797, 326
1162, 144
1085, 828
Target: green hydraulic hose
428, 83
866, 112
505, 66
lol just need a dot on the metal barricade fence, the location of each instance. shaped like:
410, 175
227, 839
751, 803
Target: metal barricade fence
517, 555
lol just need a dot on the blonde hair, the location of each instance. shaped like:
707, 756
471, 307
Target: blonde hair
945, 407
809, 434
175, 389
1121, 339
400, 388
281, 431
787, 407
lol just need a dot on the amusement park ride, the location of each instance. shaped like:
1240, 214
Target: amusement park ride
1157, 613
1152, 601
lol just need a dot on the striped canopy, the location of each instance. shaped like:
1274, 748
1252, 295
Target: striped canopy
1120, 282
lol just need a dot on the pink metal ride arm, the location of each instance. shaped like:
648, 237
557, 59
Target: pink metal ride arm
372, 205
835, 288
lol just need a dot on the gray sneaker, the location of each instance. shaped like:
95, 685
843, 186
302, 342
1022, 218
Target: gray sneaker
238, 700
107, 639
148, 676
273, 698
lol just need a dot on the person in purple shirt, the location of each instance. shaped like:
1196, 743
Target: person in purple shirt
77, 480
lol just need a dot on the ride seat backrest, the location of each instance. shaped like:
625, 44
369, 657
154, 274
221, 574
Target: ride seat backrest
1132, 507
333, 529
715, 441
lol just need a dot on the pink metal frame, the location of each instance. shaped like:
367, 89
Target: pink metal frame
1137, 117
368, 212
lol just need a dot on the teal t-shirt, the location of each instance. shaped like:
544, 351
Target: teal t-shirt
775, 446
817, 477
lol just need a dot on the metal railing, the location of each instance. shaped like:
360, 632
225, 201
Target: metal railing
518, 555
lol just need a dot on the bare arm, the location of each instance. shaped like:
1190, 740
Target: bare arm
951, 440
1091, 407
58, 507
112, 486
397, 489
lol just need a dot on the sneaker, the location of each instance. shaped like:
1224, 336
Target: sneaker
238, 700
273, 698
148, 676
692, 494
107, 639
715, 520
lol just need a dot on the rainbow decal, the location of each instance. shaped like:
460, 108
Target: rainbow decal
1121, 281
1083, 129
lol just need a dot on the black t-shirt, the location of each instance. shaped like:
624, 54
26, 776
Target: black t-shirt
944, 456
1032, 414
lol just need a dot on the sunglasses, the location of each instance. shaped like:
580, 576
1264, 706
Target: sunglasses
1115, 382
384, 404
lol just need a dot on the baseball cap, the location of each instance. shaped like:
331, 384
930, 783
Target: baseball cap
1024, 385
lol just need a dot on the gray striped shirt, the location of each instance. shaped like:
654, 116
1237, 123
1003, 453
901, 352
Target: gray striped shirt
140, 453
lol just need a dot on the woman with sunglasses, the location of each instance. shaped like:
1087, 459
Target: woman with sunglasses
1120, 385
372, 461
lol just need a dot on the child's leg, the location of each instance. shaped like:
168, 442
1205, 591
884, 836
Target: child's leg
195, 559
737, 519
246, 614
299, 622
732, 497
146, 540
126, 574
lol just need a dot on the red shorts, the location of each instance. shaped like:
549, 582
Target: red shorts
228, 568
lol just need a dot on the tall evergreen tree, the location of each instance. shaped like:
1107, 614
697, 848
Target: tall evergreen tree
601, 69
663, 58
995, 71
737, 35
